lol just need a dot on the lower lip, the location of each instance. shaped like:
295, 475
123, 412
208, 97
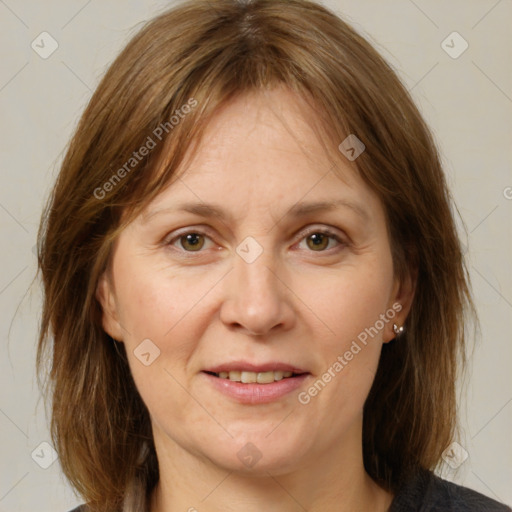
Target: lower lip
256, 393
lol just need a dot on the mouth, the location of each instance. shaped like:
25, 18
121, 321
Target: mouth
247, 383
249, 377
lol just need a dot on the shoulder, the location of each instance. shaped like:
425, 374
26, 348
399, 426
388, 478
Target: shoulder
426, 492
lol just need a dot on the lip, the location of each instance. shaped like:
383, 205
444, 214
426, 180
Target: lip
254, 393
245, 366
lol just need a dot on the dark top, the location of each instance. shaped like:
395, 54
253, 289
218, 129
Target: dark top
428, 493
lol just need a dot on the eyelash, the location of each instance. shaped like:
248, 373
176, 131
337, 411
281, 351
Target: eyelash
324, 231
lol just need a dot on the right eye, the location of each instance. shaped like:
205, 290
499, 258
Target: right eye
191, 241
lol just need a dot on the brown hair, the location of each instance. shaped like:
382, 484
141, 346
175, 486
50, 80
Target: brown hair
203, 53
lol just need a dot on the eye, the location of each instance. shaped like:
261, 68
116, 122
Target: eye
318, 240
192, 241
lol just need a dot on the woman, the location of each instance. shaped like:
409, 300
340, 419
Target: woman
254, 289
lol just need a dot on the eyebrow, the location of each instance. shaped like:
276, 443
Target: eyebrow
298, 210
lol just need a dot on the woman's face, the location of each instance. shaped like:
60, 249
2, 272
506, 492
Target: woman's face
239, 266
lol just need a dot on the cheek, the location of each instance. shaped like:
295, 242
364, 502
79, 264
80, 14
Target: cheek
153, 300
353, 308
161, 308
352, 300
157, 304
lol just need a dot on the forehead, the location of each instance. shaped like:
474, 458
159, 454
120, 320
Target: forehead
262, 152
276, 125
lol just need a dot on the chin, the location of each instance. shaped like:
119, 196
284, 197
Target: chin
258, 455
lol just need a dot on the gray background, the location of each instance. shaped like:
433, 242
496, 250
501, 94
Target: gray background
466, 100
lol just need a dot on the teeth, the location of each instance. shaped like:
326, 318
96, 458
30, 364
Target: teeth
234, 376
252, 377
249, 377
278, 375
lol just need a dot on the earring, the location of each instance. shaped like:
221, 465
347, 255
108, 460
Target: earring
398, 330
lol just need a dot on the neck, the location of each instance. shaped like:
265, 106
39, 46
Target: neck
330, 481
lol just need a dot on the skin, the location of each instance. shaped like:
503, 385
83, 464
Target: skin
298, 303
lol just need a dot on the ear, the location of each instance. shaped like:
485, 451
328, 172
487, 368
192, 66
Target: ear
400, 302
106, 297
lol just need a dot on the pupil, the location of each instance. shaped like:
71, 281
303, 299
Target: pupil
318, 240
193, 241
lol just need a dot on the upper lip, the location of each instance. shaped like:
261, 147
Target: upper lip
257, 368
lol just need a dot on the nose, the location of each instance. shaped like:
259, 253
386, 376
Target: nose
257, 299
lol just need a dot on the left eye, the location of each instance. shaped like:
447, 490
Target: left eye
318, 241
